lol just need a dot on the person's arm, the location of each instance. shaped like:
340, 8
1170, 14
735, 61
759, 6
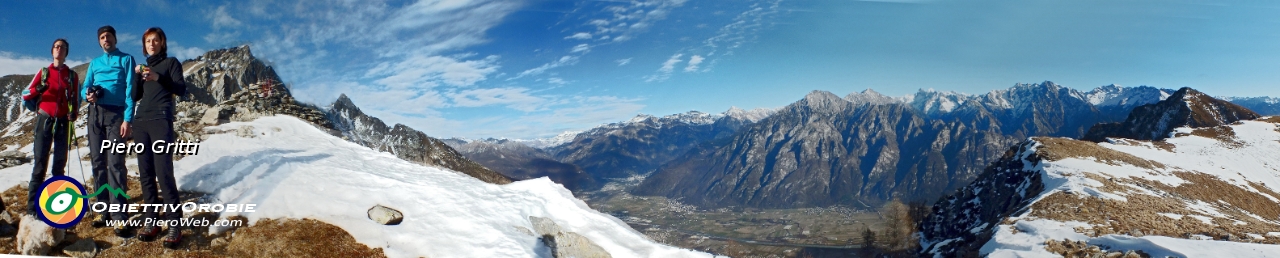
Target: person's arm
177, 83
129, 81
31, 89
88, 81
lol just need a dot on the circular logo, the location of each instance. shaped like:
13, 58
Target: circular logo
61, 202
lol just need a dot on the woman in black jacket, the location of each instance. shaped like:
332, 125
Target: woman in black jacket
153, 118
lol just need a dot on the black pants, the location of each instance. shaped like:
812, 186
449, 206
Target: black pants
108, 167
156, 166
49, 131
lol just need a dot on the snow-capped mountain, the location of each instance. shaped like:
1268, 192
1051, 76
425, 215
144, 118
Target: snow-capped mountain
1267, 106
1204, 192
869, 147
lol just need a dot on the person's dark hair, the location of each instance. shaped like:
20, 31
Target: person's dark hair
66, 46
164, 42
105, 29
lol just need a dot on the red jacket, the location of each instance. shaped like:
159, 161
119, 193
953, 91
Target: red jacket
54, 100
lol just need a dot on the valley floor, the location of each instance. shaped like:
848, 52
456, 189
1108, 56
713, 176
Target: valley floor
738, 232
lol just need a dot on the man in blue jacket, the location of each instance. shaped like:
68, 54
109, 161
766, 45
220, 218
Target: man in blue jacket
107, 85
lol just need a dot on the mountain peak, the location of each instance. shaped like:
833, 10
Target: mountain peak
869, 96
821, 99
1185, 108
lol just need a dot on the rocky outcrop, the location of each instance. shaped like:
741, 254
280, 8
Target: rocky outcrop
218, 74
1186, 107
968, 214
404, 142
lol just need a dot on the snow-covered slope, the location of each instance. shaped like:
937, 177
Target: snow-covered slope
1206, 192
291, 169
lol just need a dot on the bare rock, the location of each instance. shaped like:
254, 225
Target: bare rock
217, 115
85, 248
565, 244
37, 238
385, 216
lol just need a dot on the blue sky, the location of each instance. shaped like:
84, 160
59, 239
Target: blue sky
524, 69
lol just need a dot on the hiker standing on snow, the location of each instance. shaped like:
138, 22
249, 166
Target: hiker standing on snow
107, 85
161, 83
52, 93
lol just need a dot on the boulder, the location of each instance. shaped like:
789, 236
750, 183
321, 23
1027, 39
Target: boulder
85, 248
565, 244
37, 238
217, 115
385, 216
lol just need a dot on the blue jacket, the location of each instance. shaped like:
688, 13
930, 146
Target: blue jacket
113, 71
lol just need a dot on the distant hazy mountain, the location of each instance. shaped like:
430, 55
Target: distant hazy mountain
519, 161
1267, 106
645, 142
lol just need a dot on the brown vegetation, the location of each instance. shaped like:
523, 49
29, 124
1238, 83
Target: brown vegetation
1224, 134
1139, 215
1053, 149
267, 238
1070, 248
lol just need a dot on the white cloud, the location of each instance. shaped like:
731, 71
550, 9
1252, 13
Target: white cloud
514, 98
664, 72
694, 61
557, 81
579, 35
180, 52
624, 61
623, 21
221, 18
13, 64
424, 72
564, 60
580, 48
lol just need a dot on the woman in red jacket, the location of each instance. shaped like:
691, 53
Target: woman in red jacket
56, 93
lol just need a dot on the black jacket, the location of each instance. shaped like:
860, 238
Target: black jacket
158, 99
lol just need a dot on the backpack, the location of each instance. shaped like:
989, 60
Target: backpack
33, 105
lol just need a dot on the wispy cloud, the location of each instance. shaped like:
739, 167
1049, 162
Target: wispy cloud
664, 72
580, 48
579, 35
622, 62
514, 98
623, 21
744, 28
425, 72
563, 61
694, 61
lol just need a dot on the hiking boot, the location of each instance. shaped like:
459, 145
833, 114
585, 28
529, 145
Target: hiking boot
173, 238
148, 233
121, 230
